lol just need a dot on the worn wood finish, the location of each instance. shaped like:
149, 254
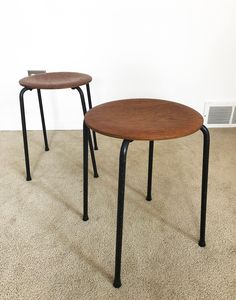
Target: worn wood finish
55, 80
144, 119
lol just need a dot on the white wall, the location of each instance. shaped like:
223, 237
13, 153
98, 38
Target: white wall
182, 50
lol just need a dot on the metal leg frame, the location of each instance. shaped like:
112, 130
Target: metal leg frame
205, 163
89, 134
24, 132
43, 120
90, 106
121, 191
150, 164
85, 171
120, 211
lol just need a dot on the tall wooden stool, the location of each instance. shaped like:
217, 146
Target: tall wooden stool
56, 80
147, 120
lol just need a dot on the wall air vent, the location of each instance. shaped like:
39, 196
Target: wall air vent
35, 72
234, 117
220, 114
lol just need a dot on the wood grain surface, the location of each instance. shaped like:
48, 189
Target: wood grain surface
55, 80
143, 119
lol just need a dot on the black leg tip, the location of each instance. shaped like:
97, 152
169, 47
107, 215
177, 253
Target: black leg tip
46, 149
149, 198
95, 175
95, 147
117, 284
202, 243
85, 218
28, 178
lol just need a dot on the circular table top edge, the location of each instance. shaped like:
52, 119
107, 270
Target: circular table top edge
27, 81
130, 137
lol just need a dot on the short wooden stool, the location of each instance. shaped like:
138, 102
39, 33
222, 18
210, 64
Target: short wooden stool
148, 120
56, 80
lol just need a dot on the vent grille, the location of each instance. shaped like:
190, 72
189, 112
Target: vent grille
220, 114
234, 117
34, 72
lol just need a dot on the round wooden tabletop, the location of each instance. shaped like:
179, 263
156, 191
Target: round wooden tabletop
143, 119
55, 80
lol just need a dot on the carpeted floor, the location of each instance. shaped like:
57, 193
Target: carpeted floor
48, 252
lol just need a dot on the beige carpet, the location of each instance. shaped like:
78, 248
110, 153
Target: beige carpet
48, 252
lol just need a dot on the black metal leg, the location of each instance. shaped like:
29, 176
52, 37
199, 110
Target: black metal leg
24, 132
85, 171
89, 134
206, 146
43, 120
150, 163
90, 106
120, 211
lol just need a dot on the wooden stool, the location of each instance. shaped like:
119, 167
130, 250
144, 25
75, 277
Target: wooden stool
57, 80
148, 120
